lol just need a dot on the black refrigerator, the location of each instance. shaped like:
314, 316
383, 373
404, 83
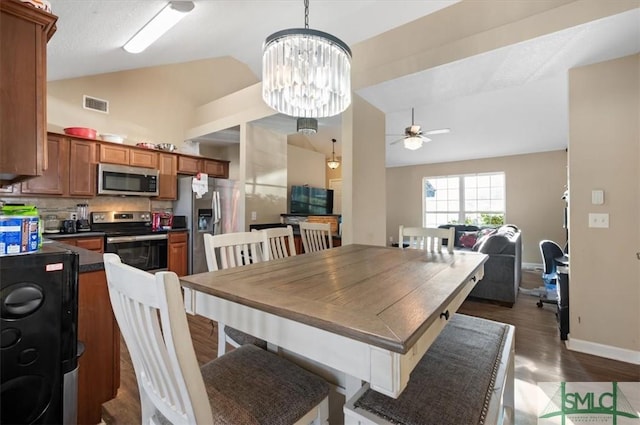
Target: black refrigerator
38, 348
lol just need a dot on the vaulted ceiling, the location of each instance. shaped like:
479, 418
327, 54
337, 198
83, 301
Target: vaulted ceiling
506, 101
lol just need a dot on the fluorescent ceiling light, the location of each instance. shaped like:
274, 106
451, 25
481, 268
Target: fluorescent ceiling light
161, 23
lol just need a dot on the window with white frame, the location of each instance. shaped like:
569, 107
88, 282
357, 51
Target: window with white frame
477, 199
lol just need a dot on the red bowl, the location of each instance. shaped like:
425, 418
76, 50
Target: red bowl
88, 133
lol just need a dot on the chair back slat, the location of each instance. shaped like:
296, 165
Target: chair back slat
280, 242
427, 238
150, 313
316, 236
235, 249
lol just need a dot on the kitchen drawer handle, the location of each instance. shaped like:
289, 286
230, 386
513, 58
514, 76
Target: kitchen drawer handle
140, 238
445, 315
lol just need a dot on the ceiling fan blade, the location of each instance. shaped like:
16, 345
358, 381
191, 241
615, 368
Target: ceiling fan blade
438, 131
396, 141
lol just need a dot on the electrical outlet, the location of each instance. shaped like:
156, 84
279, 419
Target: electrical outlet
73, 216
254, 216
599, 220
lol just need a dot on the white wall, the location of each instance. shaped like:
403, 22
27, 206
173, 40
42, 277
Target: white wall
305, 167
363, 175
604, 153
266, 176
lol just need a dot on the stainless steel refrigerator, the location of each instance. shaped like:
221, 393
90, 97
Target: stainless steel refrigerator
219, 210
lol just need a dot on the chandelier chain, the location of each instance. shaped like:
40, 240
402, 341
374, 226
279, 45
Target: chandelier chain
306, 13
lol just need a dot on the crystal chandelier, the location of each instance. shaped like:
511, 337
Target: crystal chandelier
333, 163
306, 73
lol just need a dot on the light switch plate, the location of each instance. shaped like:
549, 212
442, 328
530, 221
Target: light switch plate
599, 220
597, 197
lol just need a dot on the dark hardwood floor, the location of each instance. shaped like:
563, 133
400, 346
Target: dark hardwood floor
540, 356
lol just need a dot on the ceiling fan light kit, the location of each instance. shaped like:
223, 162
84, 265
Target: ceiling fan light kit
414, 137
306, 73
333, 163
170, 15
412, 143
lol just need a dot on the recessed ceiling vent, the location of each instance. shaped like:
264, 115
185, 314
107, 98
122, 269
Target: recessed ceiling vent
95, 104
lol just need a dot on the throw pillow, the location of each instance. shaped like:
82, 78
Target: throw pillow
482, 236
468, 239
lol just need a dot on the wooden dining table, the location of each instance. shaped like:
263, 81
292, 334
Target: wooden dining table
370, 312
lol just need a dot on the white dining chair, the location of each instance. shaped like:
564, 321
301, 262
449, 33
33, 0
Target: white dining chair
247, 386
280, 242
427, 238
230, 250
315, 236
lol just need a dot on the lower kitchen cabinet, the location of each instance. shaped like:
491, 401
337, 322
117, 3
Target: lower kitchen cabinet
92, 243
177, 258
99, 365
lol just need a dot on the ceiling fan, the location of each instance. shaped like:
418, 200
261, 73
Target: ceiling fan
414, 137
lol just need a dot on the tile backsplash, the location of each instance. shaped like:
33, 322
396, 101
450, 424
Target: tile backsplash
63, 207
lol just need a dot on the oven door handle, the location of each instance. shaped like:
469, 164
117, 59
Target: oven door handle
123, 239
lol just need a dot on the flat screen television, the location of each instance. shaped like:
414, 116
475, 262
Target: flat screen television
311, 200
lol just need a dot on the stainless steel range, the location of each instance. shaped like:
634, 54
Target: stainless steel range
130, 235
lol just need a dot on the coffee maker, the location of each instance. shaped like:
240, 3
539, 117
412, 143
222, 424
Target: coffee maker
82, 223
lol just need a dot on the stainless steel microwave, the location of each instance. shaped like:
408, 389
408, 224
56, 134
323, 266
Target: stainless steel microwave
124, 180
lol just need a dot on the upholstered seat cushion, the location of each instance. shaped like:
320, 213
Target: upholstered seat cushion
452, 383
253, 386
244, 338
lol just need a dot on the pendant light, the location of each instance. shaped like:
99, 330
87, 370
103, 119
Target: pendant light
333, 163
307, 125
306, 73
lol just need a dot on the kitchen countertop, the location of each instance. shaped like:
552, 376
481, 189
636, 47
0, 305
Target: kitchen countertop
90, 261
53, 236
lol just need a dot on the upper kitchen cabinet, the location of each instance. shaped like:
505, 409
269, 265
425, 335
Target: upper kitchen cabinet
82, 168
124, 155
168, 173
54, 180
71, 172
193, 165
24, 33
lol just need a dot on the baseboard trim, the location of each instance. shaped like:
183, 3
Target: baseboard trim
606, 351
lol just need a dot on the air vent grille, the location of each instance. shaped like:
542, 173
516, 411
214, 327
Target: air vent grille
95, 104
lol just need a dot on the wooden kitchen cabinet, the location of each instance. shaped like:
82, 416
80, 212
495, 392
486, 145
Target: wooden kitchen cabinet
24, 32
188, 165
92, 243
143, 158
168, 174
99, 365
124, 155
114, 154
177, 258
71, 172
213, 167
54, 179
82, 168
